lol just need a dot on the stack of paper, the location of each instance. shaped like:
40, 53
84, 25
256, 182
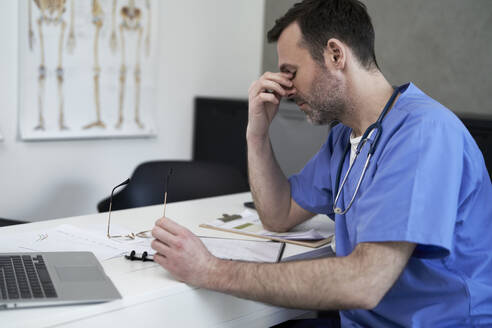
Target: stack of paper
249, 222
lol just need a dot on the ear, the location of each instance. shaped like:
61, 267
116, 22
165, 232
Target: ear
335, 54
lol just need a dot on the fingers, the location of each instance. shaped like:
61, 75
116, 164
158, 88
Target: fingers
164, 236
269, 97
281, 78
171, 226
161, 260
160, 247
279, 83
271, 86
180, 252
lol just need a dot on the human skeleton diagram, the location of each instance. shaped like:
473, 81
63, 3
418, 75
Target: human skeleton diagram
97, 20
51, 14
131, 17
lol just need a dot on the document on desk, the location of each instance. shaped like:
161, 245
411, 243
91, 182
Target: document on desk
226, 248
71, 238
249, 222
68, 238
244, 250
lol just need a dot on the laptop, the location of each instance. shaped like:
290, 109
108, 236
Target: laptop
53, 278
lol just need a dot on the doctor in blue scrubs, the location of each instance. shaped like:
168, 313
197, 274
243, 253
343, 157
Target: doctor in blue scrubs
400, 175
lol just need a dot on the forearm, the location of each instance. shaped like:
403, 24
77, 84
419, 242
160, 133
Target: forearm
269, 186
317, 285
359, 280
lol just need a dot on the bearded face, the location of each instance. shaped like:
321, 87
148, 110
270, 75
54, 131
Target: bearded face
324, 102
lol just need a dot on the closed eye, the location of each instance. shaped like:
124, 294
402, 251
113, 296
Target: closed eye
286, 68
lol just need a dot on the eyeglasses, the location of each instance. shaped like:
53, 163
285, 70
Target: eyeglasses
141, 234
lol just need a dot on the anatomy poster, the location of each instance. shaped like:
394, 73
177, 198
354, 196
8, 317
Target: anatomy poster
88, 69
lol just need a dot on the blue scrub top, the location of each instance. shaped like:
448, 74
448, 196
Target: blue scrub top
427, 183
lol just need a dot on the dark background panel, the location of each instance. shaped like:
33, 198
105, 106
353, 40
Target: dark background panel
220, 131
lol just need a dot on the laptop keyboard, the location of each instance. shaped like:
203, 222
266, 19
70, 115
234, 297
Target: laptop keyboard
24, 277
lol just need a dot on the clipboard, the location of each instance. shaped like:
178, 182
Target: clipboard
306, 243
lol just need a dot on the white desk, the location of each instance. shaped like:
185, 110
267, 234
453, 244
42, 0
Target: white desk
150, 295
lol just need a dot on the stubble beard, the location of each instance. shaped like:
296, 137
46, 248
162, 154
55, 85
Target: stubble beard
326, 100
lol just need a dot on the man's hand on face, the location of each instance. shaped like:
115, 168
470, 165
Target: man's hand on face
264, 98
182, 253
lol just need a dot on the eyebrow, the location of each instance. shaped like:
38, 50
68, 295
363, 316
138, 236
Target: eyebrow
285, 67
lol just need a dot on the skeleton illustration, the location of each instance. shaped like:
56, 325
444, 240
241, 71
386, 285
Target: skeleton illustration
113, 43
131, 22
97, 20
149, 25
51, 13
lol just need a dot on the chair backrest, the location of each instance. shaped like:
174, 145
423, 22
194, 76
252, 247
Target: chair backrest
7, 222
480, 128
189, 180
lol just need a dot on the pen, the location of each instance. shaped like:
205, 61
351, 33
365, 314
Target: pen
281, 252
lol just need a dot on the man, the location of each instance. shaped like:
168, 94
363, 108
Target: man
411, 246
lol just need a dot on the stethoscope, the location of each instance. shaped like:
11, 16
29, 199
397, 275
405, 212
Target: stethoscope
365, 137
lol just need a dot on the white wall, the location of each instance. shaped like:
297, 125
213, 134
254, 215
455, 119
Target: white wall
208, 48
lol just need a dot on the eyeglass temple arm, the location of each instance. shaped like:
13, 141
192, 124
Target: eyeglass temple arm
165, 190
168, 177
127, 181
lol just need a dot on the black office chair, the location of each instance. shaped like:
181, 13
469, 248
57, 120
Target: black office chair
480, 127
189, 180
8, 222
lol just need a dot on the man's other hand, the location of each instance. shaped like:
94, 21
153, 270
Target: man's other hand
182, 253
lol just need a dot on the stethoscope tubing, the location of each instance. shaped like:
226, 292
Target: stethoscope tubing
365, 137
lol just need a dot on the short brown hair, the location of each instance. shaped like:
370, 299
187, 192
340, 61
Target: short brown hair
321, 20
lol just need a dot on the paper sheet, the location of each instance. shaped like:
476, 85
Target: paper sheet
250, 222
67, 238
244, 250
229, 249
321, 252
70, 238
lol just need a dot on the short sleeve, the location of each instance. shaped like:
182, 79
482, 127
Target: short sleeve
414, 193
310, 188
